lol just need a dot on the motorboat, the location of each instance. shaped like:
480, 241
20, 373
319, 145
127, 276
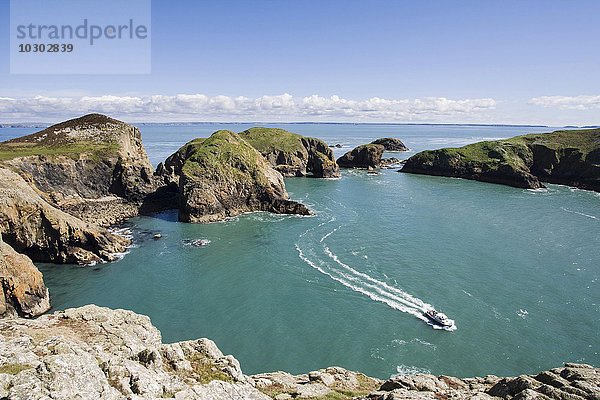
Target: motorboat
438, 317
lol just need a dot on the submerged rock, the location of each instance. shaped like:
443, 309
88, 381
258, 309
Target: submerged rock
23, 292
224, 176
364, 156
563, 157
391, 144
293, 154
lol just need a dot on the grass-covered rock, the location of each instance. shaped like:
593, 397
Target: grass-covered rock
223, 176
89, 165
363, 156
293, 154
568, 157
391, 144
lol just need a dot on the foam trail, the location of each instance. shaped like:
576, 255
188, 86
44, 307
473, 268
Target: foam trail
579, 213
365, 284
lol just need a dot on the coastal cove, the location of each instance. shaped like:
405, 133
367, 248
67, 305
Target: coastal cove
517, 269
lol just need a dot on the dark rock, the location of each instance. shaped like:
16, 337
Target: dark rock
391, 144
364, 156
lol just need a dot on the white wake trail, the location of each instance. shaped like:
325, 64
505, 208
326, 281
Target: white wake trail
363, 283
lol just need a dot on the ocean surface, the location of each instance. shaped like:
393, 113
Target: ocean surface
516, 269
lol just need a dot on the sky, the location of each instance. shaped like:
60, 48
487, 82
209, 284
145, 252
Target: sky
493, 62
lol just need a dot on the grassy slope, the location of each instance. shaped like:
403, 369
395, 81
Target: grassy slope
268, 140
515, 150
8, 151
223, 156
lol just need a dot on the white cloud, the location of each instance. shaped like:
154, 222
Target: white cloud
567, 102
199, 107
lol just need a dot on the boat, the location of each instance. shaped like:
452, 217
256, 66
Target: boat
438, 317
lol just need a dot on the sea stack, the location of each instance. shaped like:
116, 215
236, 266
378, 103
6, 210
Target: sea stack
224, 176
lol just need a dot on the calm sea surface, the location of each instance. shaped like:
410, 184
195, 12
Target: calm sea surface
516, 269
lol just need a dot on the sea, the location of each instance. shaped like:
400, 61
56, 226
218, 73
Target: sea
517, 270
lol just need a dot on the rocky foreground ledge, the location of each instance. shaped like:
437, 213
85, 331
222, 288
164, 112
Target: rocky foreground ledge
98, 353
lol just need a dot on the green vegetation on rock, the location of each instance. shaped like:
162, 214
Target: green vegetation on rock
268, 140
570, 157
14, 369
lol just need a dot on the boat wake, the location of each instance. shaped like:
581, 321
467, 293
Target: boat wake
328, 263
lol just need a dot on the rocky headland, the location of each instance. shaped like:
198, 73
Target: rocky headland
570, 157
293, 154
98, 353
224, 176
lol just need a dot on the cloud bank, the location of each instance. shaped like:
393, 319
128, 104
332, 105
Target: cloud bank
200, 107
568, 102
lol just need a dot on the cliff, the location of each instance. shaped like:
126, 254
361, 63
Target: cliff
364, 156
23, 292
43, 232
570, 157
224, 176
98, 353
93, 167
293, 154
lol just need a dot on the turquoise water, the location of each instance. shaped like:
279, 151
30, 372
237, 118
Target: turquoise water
516, 269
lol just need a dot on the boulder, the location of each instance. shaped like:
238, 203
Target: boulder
364, 156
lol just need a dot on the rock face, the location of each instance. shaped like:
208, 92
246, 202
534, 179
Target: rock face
293, 154
224, 176
23, 292
34, 227
563, 157
98, 353
573, 382
90, 166
332, 382
364, 156
391, 144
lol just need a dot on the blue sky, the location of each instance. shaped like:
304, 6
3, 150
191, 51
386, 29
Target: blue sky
385, 61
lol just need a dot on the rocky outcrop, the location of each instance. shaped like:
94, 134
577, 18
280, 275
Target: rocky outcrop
391, 144
224, 176
98, 353
332, 382
23, 292
364, 156
93, 167
293, 154
44, 233
573, 382
562, 157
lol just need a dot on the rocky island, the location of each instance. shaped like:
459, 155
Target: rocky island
223, 176
293, 154
570, 157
